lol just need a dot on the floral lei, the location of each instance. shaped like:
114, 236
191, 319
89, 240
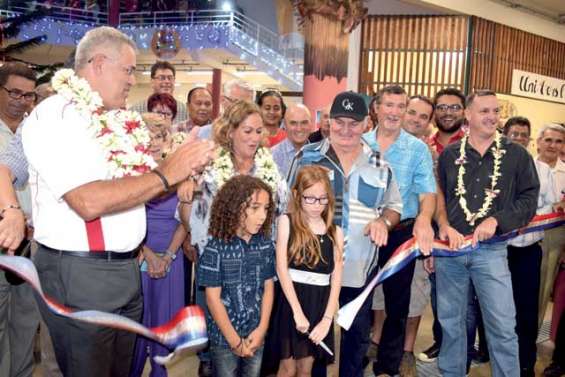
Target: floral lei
490, 193
222, 169
121, 134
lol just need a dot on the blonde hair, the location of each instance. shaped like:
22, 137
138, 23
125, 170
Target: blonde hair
230, 120
304, 247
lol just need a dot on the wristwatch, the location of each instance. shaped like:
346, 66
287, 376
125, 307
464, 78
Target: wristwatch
171, 254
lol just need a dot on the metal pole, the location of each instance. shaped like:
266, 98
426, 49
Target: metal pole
468, 58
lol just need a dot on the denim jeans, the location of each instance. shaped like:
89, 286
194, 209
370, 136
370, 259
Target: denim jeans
227, 364
487, 269
474, 323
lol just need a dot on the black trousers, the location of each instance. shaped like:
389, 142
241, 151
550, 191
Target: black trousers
524, 264
396, 291
83, 349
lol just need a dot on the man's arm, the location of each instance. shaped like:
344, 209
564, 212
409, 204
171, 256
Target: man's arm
446, 231
12, 223
98, 198
378, 229
522, 207
425, 185
423, 230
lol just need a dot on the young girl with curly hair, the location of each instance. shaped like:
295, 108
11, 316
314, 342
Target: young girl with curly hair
309, 266
237, 270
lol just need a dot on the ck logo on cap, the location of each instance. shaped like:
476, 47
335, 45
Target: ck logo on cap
347, 104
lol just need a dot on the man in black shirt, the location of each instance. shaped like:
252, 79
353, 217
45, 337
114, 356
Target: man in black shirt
490, 187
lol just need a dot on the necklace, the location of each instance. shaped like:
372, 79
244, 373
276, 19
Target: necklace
491, 192
121, 134
222, 169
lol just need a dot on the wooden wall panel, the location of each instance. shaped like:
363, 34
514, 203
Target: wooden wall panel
427, 53
421, 53
499, 49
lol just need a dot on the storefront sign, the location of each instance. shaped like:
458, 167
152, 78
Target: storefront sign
532, 85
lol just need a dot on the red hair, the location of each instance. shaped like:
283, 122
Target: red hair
164, 99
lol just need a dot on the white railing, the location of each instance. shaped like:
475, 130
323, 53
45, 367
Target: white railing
67, 14
260, 34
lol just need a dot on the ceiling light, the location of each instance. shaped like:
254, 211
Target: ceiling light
226, 6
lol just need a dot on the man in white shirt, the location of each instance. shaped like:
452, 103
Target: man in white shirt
550, 142
88, 220
525, 256
19, 317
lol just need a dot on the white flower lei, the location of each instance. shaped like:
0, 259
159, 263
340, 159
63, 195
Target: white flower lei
121, 134
222, 169
490, 193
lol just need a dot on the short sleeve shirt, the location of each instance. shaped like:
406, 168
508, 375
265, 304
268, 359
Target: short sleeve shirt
62, 156
412, 165
240, 269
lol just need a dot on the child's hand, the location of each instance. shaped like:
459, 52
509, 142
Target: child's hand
243, 350
302, 323
320, 331
255, 339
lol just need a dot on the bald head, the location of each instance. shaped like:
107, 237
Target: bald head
298, 124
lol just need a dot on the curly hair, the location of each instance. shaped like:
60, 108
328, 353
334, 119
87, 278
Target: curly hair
230, 203
230, 120
304, 246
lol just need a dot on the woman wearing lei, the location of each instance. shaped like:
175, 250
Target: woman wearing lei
240, 134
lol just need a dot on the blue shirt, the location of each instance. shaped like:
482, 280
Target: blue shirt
412, 165
360, 198
283, 153
240, 269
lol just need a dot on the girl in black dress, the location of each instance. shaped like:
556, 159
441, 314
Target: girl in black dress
309, 267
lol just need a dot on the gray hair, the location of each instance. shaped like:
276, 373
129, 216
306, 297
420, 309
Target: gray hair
552, 127
229, 85
103, 37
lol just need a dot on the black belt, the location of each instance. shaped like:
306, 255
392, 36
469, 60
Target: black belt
108, 255
404, 224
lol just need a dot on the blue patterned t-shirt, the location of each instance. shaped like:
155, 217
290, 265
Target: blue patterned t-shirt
240, 269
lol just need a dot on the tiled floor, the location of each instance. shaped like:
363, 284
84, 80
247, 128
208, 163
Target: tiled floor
187, 365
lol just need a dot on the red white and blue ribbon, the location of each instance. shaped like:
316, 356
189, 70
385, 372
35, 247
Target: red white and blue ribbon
186, 330
409, 251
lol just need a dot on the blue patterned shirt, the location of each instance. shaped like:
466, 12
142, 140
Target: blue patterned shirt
412, 165
283, 153
240, 269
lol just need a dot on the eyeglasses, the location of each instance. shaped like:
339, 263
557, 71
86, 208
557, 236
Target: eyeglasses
164, 114
313, 200
164, 78
130, 71
515, 135
18, 94
444, 108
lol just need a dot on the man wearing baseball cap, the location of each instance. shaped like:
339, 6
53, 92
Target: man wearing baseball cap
368, 205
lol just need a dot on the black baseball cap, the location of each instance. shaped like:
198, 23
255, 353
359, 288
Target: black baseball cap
349, 105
